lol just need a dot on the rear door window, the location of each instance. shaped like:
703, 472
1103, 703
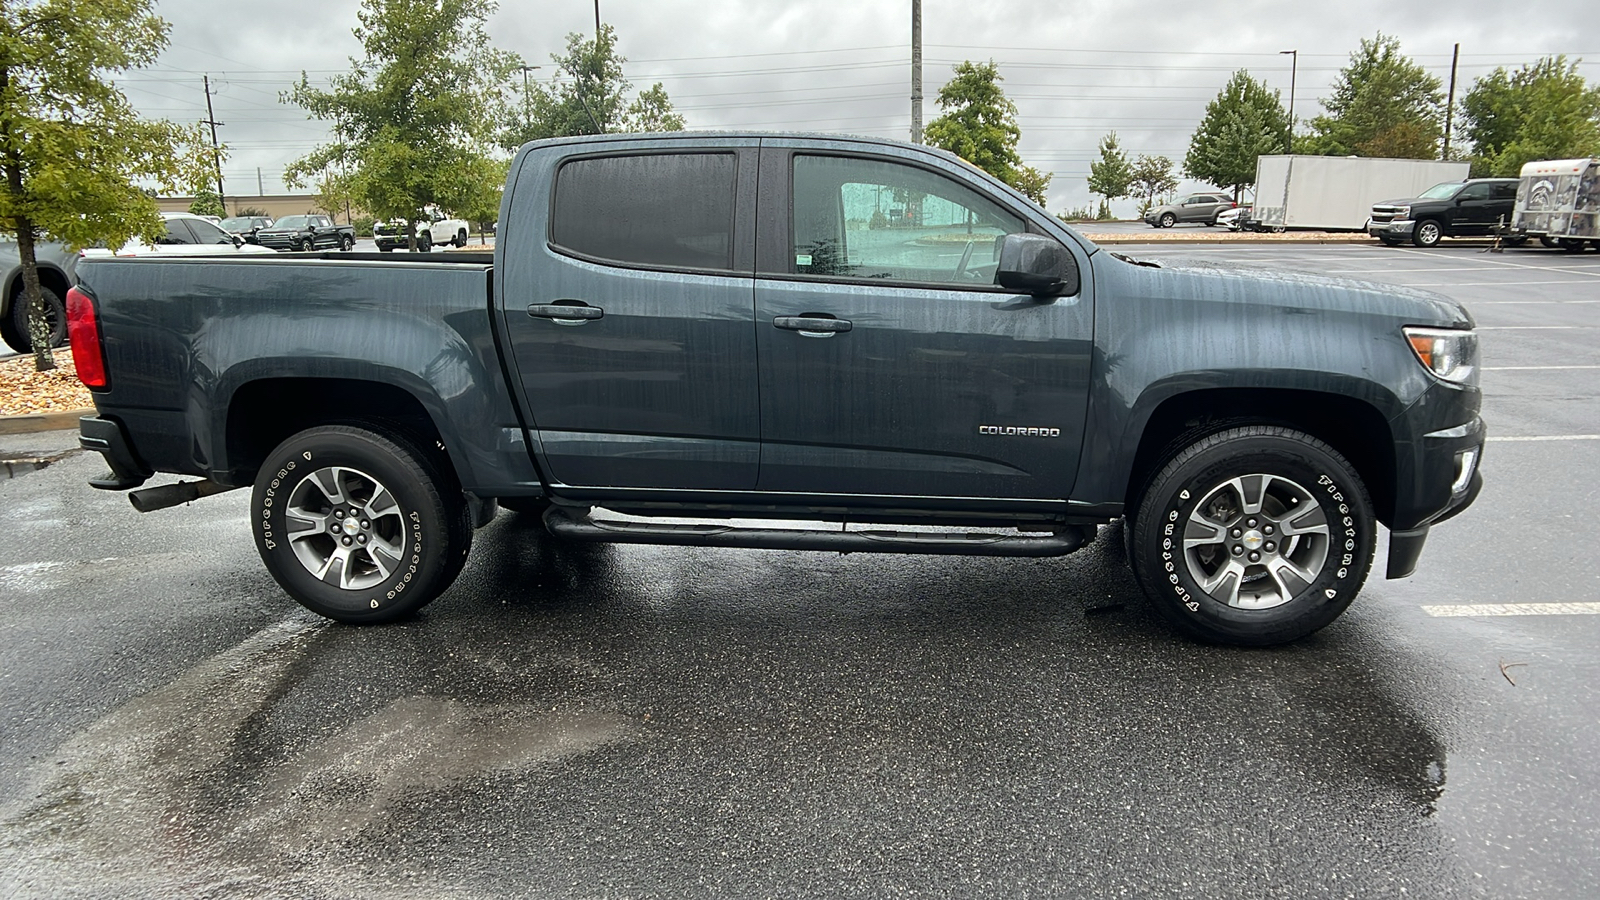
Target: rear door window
672, 210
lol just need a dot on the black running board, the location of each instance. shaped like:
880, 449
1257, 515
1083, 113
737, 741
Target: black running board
575, 524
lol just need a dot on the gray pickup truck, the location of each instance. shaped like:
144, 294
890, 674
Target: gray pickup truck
57, 265
708, 340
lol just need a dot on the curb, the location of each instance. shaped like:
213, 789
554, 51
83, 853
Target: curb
62, 420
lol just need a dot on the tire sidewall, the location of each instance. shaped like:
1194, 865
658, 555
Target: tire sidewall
55, 309
1179, 490
1168, 220
1422, 240
410, 586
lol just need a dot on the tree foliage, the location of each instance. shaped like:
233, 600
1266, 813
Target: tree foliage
1152, 177
73, 153
410, 114
207, 203
1111, 176
1541, 111
979, 124
589, 95
1382, 105
1243, 122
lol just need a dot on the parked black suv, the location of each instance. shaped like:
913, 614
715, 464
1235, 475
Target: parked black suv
1452, 209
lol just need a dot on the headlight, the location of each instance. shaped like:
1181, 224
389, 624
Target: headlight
1402, 212
1447, 353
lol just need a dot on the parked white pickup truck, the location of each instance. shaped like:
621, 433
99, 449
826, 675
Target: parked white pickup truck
436, 229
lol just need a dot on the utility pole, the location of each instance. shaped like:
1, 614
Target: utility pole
597, 21
261, 190
1294, 69
916, 71
216, 150
1450, 105
527, 99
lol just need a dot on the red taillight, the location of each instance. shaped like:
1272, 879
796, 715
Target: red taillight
83, 329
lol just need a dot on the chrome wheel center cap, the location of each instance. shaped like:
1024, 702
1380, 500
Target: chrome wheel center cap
352, 525
1253, 539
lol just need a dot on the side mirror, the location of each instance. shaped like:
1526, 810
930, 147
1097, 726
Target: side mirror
1037, 265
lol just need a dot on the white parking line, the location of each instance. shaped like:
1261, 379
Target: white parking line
1515, 609
1576, 268
1531, 327
1534, 368
1434, 284
1545, 437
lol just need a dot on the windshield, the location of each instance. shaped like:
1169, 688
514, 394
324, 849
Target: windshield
292, 222
240, 223
1441, 191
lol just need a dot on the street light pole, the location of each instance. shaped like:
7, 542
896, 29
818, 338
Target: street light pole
1294, 69
916, 71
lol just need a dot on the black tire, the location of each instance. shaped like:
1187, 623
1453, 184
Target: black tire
461, 239
424, 243
1284, 469
1517, 241
15, 331
383, 249
1427, 233
306, 245
346, 243
1571, 245
427, 526
1548, 241
1168, 220
1387, 241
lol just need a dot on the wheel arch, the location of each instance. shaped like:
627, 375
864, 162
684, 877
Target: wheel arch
304, 403
1355, 428
49, 276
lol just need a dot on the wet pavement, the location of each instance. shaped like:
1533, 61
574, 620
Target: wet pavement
590, 721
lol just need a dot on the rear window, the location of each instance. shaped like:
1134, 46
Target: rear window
662, 209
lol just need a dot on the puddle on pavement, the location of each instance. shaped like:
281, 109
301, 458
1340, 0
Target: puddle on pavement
166, 795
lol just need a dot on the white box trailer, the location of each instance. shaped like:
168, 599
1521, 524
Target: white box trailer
1336, 193
1559, 199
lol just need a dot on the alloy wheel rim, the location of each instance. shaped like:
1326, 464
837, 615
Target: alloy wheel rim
346, 528
1256, 541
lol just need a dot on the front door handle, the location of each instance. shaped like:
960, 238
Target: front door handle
815, 325
566, 312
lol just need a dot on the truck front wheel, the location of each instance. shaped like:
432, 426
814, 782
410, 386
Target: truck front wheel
358, 526
1427, 234
1254, 536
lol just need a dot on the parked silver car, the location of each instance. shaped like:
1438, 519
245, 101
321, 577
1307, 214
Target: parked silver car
1202, 207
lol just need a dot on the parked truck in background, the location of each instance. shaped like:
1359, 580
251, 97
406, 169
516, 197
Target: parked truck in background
57, 265
696, 331
1336, 193
1558, 201
436, 229
1472, 208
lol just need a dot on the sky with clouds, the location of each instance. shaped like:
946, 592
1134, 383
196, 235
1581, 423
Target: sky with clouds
1075, 68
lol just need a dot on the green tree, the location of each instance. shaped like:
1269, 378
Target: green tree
207, 203
589, 95
1244, 121
72, 151
1152, 177
1110, 176
979, 124
1541, 111
410, 113
1382, 104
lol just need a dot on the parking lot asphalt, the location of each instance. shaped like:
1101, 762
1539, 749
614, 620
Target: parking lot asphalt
592, 721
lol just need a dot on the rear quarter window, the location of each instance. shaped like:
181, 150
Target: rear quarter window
661, 209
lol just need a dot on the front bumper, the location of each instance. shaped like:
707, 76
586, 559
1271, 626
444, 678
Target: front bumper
1399, 228
1437, 475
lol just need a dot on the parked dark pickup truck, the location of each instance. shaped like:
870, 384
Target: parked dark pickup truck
726, 328
1453, 209
305, 233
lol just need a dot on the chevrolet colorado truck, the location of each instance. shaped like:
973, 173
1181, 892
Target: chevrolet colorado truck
714, 340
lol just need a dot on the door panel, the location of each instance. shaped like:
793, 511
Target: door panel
873, 383
637, 371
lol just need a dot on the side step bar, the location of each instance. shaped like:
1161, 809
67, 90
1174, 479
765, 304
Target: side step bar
575, 524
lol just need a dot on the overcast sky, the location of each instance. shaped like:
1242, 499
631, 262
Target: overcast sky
1075, 68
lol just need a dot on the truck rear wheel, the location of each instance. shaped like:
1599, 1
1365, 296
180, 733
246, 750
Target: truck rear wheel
1254, 536
15, 330
358, 526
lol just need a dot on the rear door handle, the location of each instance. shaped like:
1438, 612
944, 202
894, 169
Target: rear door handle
566, 312
813, 325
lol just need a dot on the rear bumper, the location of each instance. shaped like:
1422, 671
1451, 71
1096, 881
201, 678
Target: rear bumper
107, 438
